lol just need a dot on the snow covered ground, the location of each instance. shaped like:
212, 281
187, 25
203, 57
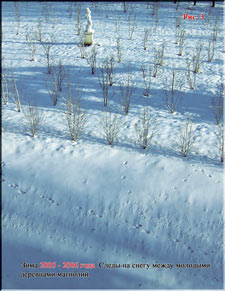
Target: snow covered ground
92, 203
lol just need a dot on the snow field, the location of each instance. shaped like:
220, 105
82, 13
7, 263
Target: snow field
91, 202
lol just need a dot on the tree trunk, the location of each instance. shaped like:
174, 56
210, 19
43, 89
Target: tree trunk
213, 3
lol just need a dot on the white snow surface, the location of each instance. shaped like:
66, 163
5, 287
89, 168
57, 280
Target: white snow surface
88, 202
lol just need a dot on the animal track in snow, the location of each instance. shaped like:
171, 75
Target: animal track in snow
49, 199
146, 231
185, 179
13, 185
91, 212
138, 226
99, 215
162, 197
21, 191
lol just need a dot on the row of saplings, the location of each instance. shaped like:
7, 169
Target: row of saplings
111, 123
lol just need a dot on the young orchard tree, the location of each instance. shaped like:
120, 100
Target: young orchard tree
196, 60
107, 11
70, 9
119, 51
146, 38
5, 88
215, 29
16, 4
69, 100
155, 64
217, 104
46, 10
75, 117
158, 59
91, 59
39, 30
58, 75
148, 4
146, 74
82, 47
78, 10
220, 141
191, 76
33, 117
32, 44
186, 138
172, 90
154, 26
132, 25
145, 128
111, 125
15, 94
117, 26
127, 89
53, 90
27, 34
161, 54
181, 41
178, 20
125, 6
155, 11
55, 86
211, 50
177, 34
109, 66
104, 82
69, 91
47, 47
178, 5
208, 18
